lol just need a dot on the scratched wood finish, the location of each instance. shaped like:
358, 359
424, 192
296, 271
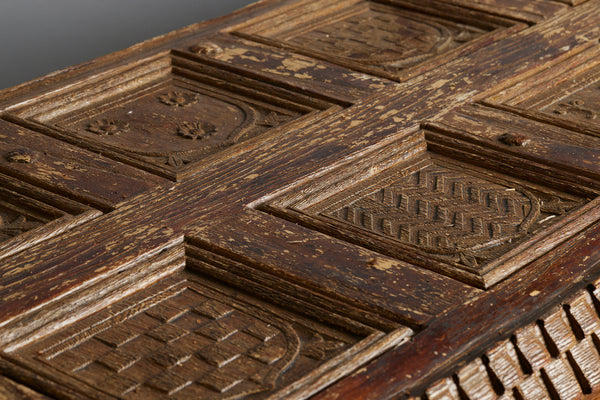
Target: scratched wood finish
362, 199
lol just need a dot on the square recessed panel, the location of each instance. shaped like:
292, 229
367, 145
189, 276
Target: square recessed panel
266, 349
367, 35
447, 215
168, 114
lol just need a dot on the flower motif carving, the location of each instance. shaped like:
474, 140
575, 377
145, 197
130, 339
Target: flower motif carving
179, 99
273, 119
108, 127
196, 130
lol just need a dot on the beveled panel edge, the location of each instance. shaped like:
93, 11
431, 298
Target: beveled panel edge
298, 204
31, 327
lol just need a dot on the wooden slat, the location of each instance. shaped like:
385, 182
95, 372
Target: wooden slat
475, 382
334, 267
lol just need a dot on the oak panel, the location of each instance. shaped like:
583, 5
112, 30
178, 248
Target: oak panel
68, 170
166, 113
183, 335
363, 35
438, 212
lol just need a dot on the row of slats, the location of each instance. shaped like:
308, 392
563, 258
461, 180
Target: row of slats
556, 357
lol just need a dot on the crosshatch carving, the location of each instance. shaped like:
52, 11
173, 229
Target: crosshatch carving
368, 35
168, 114
442, 213
188, 337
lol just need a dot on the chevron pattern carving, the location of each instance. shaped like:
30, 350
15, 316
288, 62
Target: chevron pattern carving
449, 212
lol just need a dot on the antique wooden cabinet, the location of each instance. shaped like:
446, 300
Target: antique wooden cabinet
326, 199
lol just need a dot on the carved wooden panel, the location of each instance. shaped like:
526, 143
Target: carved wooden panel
166, 114
442, 213
369, 36
69, 170
373, 199
185, 336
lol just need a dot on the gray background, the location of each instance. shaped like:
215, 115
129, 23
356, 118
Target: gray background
41, 36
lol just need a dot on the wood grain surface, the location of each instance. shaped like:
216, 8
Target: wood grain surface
357, 199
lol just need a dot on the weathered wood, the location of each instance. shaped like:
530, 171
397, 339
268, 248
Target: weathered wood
15, 391
364, 199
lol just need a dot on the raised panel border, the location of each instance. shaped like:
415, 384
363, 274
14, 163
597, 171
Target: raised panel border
170, 84
267, 29
304, 205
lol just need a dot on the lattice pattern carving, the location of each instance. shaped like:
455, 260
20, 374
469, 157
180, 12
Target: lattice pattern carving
188, 341
555, 357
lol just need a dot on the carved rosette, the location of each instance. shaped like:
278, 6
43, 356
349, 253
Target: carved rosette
108, 127
179, 98
196, 130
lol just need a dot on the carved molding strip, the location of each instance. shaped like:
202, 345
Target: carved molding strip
554, 357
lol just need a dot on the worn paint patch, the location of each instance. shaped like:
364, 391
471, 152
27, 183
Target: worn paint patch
296, 65
382, 264
232, 52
